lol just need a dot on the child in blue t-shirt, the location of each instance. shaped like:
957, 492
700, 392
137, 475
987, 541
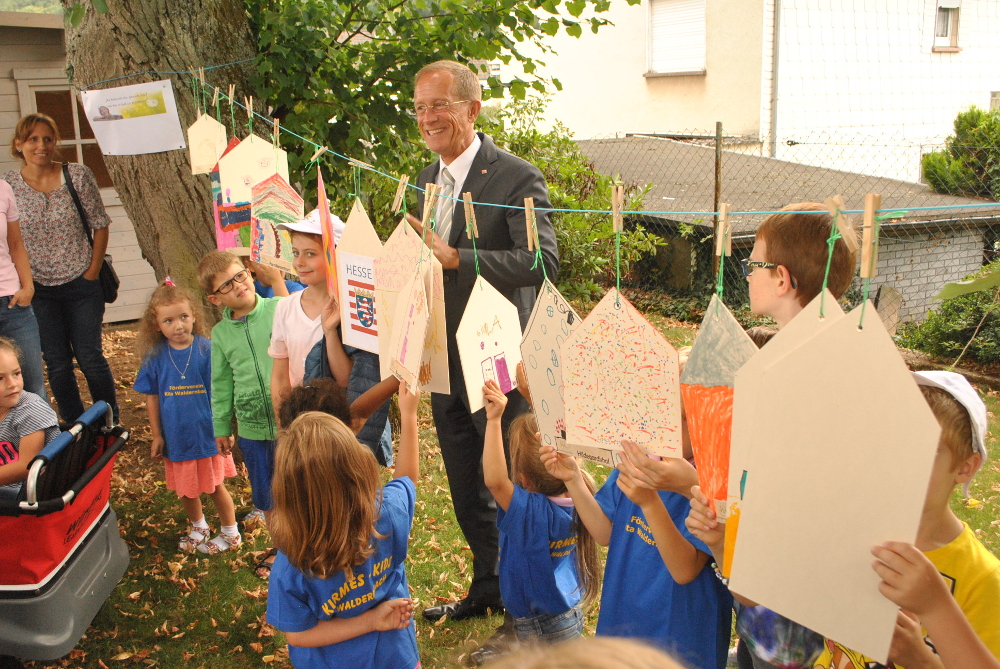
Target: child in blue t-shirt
657, 582
548, 560
176, 377
338, 587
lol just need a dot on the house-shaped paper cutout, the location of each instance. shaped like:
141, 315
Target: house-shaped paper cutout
849, 447
621, 381
274, 203
229, 219
434, 377
252, 161
393, 270
746, 439
489, 342
407, 343
207, 143
359, 246
720, 350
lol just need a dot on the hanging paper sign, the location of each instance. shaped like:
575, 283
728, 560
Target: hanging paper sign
328, 233
839, 412
552, 320
252, 161
746, 440
407, 343
359, 246
721, 348
207, 142
393, 270
274, 203
134, 120
489, 342
229, 220
434, 376
620, 379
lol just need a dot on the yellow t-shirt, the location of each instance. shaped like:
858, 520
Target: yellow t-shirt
974, 576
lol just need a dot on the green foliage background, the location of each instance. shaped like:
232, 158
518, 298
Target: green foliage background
970, 162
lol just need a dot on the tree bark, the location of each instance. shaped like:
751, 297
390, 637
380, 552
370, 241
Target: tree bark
170, 208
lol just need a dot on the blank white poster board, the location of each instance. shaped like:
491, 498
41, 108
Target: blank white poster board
207, 142
489, 342
621, 381
849, 444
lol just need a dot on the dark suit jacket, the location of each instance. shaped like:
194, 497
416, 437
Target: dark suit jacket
504, 260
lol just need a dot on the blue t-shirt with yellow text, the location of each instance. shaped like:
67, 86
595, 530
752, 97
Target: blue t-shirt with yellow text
641, 600
538, 572
296, 602
183, 381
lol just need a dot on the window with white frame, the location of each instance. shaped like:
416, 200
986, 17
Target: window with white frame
946, 25
676, 37
48, 92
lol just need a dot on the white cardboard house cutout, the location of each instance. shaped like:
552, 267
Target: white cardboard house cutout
489, 342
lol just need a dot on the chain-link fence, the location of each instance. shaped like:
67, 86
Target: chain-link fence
933, 238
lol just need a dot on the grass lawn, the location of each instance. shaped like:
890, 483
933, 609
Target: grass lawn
177, 610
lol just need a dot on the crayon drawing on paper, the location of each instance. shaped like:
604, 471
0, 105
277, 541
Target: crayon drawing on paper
620, 379
489, 342
274, 203
393, 270
720, 349
407, 343
434, 375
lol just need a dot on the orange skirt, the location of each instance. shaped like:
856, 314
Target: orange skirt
192, 478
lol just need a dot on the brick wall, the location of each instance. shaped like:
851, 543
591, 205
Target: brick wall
917, 264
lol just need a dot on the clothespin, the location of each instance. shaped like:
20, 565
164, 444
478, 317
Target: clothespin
201, 76
400, 198
277, 131
320, 151
617, 201
248, 101
869, 251
471, 227
360, 163
529, 221
430, 201
836, 206
215, 97
232, 94
724, 233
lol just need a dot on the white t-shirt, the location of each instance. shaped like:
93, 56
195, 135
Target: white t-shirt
293, 335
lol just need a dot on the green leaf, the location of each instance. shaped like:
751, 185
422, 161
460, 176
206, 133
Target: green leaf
101, 6
550, 26
574, 30
950, 290
75, 15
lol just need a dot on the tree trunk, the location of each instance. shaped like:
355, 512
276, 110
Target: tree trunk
170, 208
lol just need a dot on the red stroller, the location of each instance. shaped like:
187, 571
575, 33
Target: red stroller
61, 553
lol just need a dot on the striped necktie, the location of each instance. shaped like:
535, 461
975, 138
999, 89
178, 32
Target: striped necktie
447, 205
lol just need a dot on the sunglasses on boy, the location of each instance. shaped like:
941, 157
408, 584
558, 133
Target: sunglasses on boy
239, 277
750, 265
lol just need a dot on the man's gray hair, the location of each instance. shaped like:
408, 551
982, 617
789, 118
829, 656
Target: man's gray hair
466, 82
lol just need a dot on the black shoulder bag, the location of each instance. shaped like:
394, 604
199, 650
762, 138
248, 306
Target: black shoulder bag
108, 277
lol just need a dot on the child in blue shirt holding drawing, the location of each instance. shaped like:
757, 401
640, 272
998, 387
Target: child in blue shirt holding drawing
338, 586
549, 566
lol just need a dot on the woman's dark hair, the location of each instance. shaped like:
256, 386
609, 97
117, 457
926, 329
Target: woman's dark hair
323, 395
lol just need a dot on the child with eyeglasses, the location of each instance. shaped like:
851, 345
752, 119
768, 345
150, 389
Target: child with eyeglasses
241, 372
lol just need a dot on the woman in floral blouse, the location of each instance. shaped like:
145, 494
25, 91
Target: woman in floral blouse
69, 302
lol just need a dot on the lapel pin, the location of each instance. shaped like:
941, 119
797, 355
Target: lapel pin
484, 171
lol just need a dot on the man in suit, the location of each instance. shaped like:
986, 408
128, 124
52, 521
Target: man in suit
447, 99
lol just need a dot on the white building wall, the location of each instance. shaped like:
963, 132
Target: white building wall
918, 264
861, 88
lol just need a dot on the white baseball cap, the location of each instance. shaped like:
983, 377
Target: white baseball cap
310, 225
959, 387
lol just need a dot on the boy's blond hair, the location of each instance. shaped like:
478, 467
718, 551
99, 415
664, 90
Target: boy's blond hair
799, 242
213, 264
956, 426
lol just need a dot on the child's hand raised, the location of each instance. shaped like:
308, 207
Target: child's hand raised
408, 402
559, 465
522, 383
909, 579
638, 494
672, 474
496, 401
702, 523
394, 614
908, 648
330, 315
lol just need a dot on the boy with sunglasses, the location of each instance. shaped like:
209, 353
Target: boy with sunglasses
241, 370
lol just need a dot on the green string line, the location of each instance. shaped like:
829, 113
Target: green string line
720, 273
218, 108
868, 281
475, 253
250, 121
830, 244
357, 181
194, 88
232, 115
538, 251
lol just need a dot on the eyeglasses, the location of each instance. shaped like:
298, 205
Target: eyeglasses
439, 107
750, 265
239, 277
